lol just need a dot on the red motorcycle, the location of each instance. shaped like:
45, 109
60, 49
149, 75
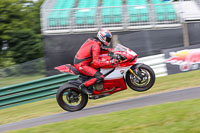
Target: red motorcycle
138, 76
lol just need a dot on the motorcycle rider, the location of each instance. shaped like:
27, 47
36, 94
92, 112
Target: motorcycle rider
89, 53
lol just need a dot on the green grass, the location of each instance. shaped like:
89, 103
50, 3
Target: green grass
48, 107
178, 117
16, 80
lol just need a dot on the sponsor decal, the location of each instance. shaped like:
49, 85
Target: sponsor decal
122, 71
187, 59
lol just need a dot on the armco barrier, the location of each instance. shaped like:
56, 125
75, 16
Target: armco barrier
157, 63
32, 91
47, 87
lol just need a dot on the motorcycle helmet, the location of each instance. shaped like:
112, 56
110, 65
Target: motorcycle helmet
104, 36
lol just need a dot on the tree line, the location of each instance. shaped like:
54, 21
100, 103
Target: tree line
20, 31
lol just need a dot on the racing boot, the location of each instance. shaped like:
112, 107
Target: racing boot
85, 90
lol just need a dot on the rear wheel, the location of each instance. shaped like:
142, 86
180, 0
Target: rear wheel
70, 98
140, 79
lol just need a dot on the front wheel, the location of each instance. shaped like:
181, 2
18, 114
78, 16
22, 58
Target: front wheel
70, 98
141, 78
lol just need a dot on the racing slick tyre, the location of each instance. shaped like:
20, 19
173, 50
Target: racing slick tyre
140, 78
71, 98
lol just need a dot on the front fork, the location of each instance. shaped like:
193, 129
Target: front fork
132, 72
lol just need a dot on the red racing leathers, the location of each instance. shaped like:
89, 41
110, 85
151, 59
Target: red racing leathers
89, 52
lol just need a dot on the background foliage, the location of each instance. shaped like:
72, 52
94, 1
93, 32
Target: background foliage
20, 29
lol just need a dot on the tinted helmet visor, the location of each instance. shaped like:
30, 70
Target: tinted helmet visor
108, 39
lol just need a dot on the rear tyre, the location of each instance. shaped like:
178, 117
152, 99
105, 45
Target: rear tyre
70, 98
142, 80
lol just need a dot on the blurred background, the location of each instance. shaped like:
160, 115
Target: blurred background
38, 35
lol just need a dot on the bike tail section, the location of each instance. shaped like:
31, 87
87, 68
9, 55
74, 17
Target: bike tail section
68, 68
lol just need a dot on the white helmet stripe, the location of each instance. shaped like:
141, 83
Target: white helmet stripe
102, 35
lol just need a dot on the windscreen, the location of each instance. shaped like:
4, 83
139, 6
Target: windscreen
119, 47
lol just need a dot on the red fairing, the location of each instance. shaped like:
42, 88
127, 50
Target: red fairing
105, 57
128, 61
66, 69
112, 86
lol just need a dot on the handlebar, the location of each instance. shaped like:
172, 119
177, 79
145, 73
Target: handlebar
117, 56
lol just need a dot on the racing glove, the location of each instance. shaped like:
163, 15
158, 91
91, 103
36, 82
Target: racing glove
114, 62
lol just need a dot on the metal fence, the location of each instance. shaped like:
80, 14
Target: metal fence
116, 17
46, 88
198, 2
35, 67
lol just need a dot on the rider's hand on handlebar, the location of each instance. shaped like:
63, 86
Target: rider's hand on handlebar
114, 62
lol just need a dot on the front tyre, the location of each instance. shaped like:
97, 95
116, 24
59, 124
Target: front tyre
70, 98
140, 78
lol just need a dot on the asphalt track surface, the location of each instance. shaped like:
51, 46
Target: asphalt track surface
154, 99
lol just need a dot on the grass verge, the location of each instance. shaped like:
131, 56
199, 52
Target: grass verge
48, 107
178, 117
